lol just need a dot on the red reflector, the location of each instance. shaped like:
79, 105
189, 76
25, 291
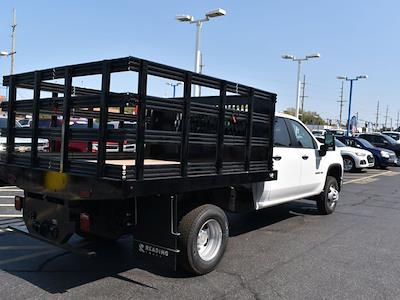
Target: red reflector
84, 222
84, 194
18, 202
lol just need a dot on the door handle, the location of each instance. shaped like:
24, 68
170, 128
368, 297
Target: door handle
277, 157
305, 157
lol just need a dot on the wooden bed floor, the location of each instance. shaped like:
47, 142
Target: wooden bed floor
131, 162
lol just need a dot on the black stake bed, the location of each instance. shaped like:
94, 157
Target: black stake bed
160, 144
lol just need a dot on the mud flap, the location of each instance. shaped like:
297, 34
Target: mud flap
155, 236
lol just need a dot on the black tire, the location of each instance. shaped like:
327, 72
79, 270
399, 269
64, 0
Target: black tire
351, 162
189, 227
326, 202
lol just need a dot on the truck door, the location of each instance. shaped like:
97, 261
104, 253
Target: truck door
310, 160
288, 167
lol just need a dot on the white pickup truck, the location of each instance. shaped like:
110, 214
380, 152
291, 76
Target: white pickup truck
306, 168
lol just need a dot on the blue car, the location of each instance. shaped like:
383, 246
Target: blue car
383, 157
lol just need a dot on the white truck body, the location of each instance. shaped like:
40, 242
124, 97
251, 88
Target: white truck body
302, 171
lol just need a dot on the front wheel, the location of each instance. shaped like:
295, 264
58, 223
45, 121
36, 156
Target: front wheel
327, 201
204, 236
348, 164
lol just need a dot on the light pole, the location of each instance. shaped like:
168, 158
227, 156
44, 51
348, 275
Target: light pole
4, 53
299, 61
351, 92
174, 85
199, 23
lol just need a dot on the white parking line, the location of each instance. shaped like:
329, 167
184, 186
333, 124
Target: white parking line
10, 216
6, 205
363, 178
7, 197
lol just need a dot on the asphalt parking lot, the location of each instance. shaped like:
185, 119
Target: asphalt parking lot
288, 252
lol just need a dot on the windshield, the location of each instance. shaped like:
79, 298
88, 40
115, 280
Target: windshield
394, 135
339, 143
389, 139
365, 143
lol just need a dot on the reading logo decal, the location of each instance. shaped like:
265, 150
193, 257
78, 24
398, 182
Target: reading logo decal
151, 250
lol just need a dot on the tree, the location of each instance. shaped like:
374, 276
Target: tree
308, 117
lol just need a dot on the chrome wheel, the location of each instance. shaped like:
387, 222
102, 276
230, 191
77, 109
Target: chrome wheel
209, 240
333, 196
348, 164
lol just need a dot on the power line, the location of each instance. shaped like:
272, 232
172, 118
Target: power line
386, 116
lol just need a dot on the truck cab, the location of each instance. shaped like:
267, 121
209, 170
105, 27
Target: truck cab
303, 169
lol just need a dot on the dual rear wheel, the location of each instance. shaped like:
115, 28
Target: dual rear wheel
204, 236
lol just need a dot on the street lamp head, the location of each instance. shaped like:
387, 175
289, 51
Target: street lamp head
287, 56
184, 18
219, 12
314, 55
362, 77
4, 53
342, 77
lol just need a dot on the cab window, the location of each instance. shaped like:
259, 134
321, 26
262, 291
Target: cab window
302, 138
281, 134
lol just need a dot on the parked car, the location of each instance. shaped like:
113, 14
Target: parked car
21, 144
318, 132
82, 146
393, 134
337, 132
24, 122
382, 141
116, 125
383, 157
354, 159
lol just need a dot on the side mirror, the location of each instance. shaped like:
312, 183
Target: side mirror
329, 144
322, 150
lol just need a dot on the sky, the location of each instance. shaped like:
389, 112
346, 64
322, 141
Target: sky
353, 37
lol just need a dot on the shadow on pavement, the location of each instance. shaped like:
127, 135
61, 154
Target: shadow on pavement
57, 271
243, 223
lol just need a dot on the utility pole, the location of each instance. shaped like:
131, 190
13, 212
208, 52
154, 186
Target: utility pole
391, 123
397, 122
12, 53
303, 88
377, 117
341, 104
386, 116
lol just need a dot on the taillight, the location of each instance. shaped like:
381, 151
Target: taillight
18, 202
84, 222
